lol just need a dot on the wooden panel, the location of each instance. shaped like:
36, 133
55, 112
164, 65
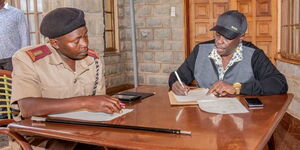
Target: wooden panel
203, 15
200, 21
266, 46
264, 28
202, 30
248, 34
201, 11
219, 8
261, 16
245, 7
263, 8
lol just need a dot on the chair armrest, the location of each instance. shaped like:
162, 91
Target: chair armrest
19, 139
5, 122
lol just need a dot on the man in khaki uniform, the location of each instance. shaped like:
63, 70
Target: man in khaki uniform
62, 76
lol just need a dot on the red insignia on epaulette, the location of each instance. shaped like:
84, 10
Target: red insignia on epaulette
93, 53
38, 52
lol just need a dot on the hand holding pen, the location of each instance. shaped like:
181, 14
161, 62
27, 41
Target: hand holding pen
179, 88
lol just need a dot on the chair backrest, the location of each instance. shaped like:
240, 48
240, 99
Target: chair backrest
6, 112
5, 94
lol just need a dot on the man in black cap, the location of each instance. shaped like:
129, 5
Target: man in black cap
63, 75
228, 65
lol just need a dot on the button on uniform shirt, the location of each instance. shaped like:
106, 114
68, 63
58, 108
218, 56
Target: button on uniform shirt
13, 31
51, 77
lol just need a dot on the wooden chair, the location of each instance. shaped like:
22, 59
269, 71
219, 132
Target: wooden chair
6, 112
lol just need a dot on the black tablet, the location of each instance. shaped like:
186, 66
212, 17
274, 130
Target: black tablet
126, 98
141, 94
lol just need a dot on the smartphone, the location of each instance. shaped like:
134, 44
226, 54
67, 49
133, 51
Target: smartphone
254, 103
126, 98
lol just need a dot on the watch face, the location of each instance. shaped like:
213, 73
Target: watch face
237, 85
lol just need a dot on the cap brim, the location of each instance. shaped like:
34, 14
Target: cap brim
225, 32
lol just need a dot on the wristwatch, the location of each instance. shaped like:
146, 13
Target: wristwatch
237, 87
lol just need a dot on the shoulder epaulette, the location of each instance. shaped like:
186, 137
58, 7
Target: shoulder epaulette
38, 52
93, 53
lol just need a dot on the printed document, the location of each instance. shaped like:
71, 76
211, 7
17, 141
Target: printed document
91, 116
222, 106
211, 103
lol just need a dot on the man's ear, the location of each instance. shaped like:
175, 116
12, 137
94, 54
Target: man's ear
54, 43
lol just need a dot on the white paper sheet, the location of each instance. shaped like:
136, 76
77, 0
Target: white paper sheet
91, 116
222, 106
195, 95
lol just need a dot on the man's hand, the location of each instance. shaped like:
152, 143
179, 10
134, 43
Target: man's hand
179, 90
99, 103
103, 103
221, 88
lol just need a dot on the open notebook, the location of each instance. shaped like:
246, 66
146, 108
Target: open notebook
190, 99
208, 103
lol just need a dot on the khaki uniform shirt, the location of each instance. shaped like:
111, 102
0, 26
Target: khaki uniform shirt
51, 77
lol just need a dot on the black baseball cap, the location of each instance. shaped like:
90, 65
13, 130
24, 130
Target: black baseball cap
231, 24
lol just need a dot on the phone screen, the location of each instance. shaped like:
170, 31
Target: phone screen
254, 102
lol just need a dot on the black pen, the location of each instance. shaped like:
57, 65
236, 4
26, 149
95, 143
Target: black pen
163, 130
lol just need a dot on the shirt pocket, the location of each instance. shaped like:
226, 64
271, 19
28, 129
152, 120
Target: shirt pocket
56, 91
88, 88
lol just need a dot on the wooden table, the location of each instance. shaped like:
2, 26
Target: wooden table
209, 131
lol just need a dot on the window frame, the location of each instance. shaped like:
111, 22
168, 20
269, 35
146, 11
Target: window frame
290, 31
38, 36
114, 27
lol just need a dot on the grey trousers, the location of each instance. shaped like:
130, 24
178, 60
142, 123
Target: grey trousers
6, 64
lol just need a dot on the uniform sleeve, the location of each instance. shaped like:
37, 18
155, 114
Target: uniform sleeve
186, 70
25, 82
268, 80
